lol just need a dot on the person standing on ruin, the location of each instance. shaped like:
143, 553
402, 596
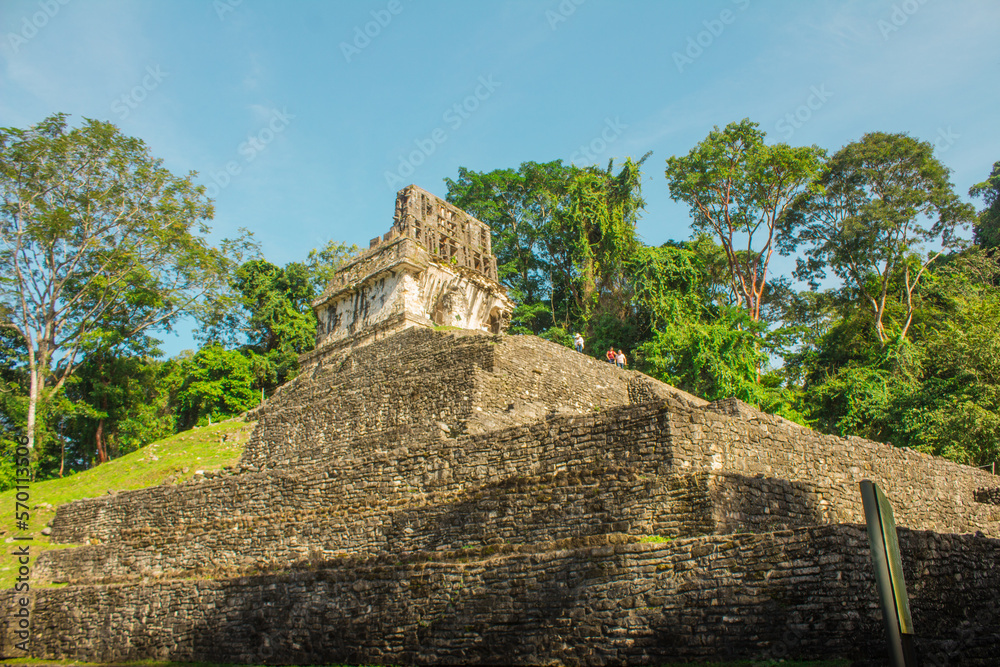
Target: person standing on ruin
610, 356
578, 342
620, 359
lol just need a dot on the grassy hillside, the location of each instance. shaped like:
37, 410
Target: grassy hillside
172, 460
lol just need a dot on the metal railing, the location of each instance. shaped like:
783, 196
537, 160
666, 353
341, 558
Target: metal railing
992, 467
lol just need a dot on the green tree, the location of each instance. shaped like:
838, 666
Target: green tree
987, 229
121, 403
54, 413
519, 206
561, 235
739, 189
323, 263
865, 220
594, 237
854, 394
280, 322
698, 339
808, 317
217, 383
955, 410
94, 230
267, 314
13, 401
937, 391
698, 344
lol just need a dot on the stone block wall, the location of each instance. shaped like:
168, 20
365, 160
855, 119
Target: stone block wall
457, 497
742, 504
806, 593
380, 497
364, 266
422, 384
590, 501
988, 495
369, 474
404, 387
521, 511
928, 492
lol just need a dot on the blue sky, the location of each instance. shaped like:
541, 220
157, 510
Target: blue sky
304, 118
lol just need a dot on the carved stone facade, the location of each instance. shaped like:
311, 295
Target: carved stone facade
435, 267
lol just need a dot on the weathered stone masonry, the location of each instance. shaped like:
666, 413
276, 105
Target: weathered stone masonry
420, 496
430, 480
803, 592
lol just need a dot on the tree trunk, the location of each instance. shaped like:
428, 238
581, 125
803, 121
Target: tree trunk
102, 455
102, 447
33, 393
552, 299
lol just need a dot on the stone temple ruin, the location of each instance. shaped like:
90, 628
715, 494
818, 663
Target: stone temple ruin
457, 496
434, 267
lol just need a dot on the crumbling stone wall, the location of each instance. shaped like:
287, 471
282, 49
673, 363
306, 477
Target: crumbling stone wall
373, 470
597, 500
928, 492
988, 495
526, 510
450, 234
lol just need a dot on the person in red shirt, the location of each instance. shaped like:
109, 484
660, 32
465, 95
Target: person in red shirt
611, 355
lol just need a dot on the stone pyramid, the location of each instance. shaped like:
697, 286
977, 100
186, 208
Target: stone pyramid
459, 497
454, 495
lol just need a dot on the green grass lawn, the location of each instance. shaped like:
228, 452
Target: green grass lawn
172, 460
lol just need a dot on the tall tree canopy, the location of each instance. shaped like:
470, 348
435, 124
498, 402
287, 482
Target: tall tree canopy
869, 214
698, 342
988, 224
561, 235
266, 312
97, 241
739, 189
938, 390
520, 208
214, 383
599, 221
119, 404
